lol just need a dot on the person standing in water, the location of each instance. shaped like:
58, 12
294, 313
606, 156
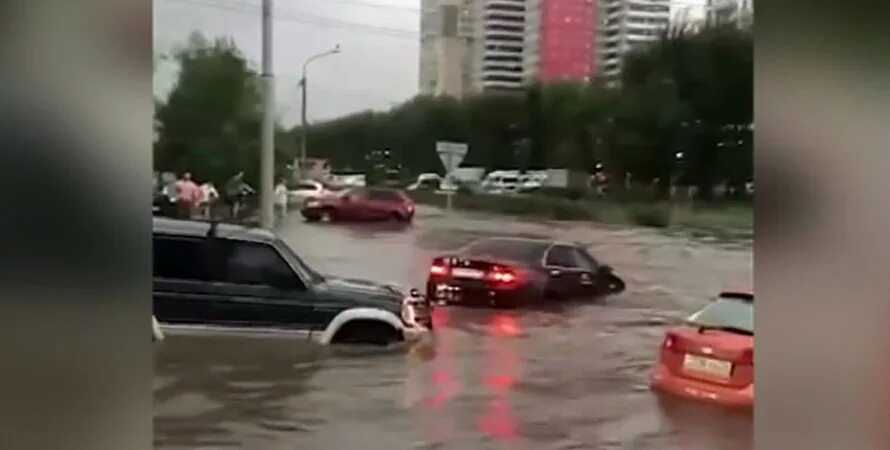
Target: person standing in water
281, 194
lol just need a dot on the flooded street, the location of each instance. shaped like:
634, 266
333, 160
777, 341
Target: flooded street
489, 379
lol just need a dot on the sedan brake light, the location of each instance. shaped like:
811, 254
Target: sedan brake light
503, 276
439, 267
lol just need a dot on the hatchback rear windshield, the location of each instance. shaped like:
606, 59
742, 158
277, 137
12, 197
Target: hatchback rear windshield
385, 195
513, 250
727, 313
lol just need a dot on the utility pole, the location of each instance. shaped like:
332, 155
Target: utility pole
267, 152
304, 129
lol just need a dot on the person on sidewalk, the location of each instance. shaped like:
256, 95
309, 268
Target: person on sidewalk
281, 197
188, 195
209, 197
236, 192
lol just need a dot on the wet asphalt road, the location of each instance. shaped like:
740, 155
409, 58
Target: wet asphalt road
569, 379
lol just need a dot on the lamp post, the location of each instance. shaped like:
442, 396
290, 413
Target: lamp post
304, 85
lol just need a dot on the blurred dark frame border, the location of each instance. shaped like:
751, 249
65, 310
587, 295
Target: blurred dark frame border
75, 154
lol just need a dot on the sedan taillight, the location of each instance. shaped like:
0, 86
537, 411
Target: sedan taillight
440, 267
503, 277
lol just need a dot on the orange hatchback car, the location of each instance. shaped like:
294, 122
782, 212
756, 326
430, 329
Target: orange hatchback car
711, 357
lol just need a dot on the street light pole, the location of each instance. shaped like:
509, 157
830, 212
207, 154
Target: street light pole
304, 85
267, 151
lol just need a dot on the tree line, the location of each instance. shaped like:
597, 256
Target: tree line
681, 114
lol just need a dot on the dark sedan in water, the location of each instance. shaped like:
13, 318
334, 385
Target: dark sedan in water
507, 272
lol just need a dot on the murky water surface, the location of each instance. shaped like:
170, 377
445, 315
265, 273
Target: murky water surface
569, 379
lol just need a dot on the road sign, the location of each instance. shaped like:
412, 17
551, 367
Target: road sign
451, 154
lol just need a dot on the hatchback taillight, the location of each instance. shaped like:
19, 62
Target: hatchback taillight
669, 342
746, 358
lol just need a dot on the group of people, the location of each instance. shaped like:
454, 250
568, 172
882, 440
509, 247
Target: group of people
194, 200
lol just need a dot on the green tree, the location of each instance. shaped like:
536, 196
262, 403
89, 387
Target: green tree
210, 122
701, 88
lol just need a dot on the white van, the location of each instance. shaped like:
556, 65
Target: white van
501, 182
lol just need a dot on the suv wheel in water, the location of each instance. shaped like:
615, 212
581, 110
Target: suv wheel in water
371, 332
326, 215
615, 285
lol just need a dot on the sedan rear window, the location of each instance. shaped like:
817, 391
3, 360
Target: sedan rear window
514, 250
732, 314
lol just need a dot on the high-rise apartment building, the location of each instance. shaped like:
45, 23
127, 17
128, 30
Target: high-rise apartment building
498, 45
560, 40
739, 12
626, 25
446, 31
503, 45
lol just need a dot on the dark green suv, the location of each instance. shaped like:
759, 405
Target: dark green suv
211, 277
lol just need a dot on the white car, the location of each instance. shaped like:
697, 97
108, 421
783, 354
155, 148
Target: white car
501, 182
531, 182
307, 190
426, 181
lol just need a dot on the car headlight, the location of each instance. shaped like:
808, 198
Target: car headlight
312, 203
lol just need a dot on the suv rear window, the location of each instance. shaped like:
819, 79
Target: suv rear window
731, 313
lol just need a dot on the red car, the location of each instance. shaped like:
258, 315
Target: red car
711, 358
361, 204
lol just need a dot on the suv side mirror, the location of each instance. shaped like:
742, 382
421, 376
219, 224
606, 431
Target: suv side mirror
606, 269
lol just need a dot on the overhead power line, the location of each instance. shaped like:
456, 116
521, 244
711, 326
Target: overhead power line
308, 19
382, 6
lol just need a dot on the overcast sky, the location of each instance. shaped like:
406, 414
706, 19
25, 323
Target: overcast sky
376, 69
379, 38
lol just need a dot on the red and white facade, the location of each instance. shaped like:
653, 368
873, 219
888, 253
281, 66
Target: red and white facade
560, 40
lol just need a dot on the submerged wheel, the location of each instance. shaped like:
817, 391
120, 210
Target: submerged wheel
326, 215
615, 285
372, 332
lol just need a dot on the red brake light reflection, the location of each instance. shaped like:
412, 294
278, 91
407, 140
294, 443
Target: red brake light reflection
437, 269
